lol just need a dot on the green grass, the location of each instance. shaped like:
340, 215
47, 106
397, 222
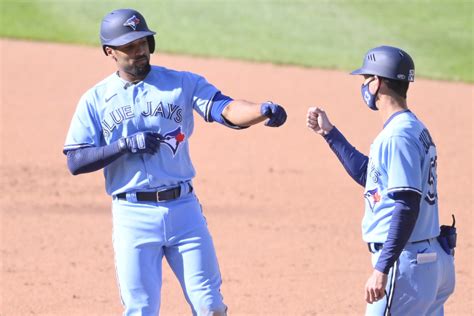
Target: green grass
313, 33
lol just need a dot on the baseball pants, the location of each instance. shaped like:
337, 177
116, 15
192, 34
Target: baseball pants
419, 283
145, 232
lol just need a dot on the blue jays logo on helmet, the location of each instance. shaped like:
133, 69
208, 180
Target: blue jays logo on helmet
173, 139
132, 22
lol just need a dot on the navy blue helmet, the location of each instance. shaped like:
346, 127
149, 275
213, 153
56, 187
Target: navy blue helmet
388, 62
123, 26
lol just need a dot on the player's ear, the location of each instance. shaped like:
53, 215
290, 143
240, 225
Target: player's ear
374, 84
382, 84
108, 50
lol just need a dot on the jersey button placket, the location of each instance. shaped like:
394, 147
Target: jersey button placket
137, 92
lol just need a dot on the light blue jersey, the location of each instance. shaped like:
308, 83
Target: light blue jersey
402, 158
146, 231
163, 102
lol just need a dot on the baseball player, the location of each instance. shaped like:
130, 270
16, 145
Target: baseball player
413, 274
136, 125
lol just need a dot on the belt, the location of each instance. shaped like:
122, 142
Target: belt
376, 246
156, 196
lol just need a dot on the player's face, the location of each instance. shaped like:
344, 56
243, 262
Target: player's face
133, 58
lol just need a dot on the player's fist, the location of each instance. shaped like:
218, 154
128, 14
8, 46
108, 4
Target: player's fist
318, 121
375, 287
141, 142
276, 114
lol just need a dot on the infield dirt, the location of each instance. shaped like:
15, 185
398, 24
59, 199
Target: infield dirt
284, 215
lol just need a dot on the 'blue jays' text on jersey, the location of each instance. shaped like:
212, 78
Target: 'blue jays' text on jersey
163, 102
402, 157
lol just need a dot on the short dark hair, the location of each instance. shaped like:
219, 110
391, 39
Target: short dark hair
397, 86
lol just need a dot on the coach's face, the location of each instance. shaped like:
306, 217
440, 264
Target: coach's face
132, 58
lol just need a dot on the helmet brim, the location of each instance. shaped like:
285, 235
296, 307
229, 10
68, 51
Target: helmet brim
359, 71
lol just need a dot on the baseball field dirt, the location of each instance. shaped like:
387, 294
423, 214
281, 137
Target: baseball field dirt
284, 215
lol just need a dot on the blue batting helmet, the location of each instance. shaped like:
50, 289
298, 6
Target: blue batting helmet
388, 62
123, 26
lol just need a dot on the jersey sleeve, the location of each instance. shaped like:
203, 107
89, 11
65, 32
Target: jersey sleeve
202, 97
353, 160
85, 129
403, 162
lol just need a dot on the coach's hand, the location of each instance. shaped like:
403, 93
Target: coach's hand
318, 121
141, 142
276, 114
375, 287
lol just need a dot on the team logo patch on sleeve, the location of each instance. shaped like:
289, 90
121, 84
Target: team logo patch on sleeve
173, 139
372, 197
132, 22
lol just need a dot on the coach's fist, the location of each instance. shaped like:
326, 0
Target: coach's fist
276, 114
318, 121
141, 142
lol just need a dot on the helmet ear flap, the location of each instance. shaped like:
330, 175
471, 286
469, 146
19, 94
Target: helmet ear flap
151, 43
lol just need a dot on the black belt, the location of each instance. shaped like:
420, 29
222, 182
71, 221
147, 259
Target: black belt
159, 196
376, 246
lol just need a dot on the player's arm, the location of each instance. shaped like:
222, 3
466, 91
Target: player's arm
353, 161
405, 214
90, 159
242, 114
